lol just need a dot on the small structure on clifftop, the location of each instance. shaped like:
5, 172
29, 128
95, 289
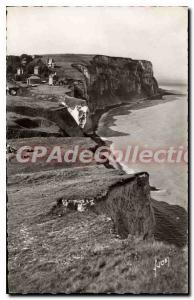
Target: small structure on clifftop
50, 62
33, 80
36, 70
20, 71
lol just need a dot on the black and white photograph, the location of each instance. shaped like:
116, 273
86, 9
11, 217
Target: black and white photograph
97, 122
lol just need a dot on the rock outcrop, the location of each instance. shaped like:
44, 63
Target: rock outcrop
128, 203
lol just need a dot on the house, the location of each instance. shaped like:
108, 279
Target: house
36, 70
51, 63
52, 78
33, 80
20, 71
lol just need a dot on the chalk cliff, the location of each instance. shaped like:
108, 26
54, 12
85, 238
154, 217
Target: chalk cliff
100, 81
114, 80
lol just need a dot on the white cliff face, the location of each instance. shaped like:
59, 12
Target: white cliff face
86, 73
79, 113
75, 114
82, 115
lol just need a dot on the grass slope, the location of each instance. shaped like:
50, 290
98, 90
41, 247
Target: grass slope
79, 253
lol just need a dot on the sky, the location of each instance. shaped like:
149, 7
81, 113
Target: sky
158, 34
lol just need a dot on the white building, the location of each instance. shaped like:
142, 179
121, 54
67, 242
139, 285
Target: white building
20, 71
51, 63
36, 70
50, 79
33, 80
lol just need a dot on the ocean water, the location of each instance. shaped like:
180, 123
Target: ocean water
156, 127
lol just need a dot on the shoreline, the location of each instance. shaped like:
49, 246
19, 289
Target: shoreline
100, 112
110, 114
136, 105
109, 121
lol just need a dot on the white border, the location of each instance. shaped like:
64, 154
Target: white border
3, 4
99, 3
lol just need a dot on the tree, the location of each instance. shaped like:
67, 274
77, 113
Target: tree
27, 57
13, 62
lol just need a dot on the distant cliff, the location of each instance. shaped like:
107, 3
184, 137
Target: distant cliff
113, 80
103, 81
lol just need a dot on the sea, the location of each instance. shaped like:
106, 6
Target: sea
161, 125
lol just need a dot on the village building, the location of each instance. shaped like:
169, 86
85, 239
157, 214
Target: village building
52, 78
20, 71
33, 80
51, 63
36, 70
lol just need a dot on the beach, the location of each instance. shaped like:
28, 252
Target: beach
154, 124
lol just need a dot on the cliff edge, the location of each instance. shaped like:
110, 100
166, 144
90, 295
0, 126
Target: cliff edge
110, 81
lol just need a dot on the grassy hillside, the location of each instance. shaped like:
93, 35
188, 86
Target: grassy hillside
79, 253
51, 250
